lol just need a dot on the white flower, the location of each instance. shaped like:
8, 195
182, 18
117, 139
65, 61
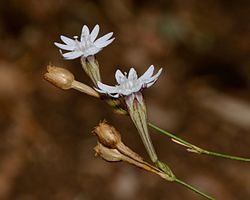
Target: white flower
130, 88
87, 46
131, 84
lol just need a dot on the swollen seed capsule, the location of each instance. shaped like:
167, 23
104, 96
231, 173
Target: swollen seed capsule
59, 77
110, 155
107, 135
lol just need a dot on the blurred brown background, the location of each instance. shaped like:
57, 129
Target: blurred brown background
46, 145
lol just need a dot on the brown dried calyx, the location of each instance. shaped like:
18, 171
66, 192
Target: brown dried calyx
111, 138
110, 148
107, 135
64, 79
110, 155
59, 77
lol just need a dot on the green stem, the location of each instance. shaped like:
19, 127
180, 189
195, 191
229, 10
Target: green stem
196, 149
193, 189
211, 153
171, 177
169, 134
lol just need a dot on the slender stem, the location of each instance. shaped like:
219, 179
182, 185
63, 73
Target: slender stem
193, 189
169, 134
226, 156
196, 149
84, 88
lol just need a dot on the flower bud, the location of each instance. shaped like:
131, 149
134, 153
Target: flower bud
107, 135
111, 155
59, 77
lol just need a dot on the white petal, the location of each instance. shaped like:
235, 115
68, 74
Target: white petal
132, 75
119, 76
100, 91
101, 40
85, 32
107, 88
72, 55
106, 43
103, 92
94, 33
64, 47
114, 95
67, 40
147, 74
153, 79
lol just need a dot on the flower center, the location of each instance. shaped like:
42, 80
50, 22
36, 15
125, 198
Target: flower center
129, 85
84, 45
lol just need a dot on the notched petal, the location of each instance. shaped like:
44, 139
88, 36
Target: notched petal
148, 73
153, 79
101, 41
72, 55
104, 44
67, 40
64, 47
106, 88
